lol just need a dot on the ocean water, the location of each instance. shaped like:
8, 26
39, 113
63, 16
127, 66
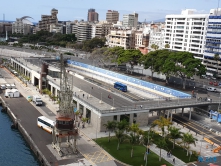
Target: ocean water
14, 151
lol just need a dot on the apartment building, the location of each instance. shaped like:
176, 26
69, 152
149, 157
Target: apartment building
141, 41
121, 38
82, 31
213, 42
100, 29
156, 32
56, 28
186, 32
22, 25
47, 20
130, 20
92, 15
112, 16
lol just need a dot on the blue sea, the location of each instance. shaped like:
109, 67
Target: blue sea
13, 149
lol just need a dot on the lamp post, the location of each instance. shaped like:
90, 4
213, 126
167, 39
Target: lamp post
201, 146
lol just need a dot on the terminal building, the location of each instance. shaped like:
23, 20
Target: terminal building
45, 73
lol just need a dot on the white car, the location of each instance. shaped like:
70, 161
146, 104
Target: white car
3, 87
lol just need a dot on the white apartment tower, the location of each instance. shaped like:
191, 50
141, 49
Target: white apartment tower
82, 31
130, 20
186, 32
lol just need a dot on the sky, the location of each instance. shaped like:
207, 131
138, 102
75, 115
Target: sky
70, 10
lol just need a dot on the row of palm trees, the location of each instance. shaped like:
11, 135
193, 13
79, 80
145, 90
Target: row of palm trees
124, 132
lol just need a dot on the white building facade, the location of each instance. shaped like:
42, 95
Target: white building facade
156, 36
130, 20
121, 38
82, 31
186, 32
22, 26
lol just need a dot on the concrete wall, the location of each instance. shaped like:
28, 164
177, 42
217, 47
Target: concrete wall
142, 118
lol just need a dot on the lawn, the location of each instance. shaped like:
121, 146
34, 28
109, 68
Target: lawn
123, 154
178, 151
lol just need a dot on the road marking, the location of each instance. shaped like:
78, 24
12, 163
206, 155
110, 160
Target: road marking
97, 157
206, 134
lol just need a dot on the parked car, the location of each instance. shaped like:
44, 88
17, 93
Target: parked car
211, 89
211, 82
215, 83
3, 87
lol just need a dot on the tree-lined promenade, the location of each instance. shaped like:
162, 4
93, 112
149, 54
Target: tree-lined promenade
131, 145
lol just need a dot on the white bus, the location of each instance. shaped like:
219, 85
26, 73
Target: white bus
45, 124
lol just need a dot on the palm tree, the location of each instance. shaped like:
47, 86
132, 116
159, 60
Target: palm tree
216, 58
133, 139
110, 126
84, 120
134, 127
119, 135
188, 139
162, 122
161, 144
77, 113
150, 131
122, 125
174, 134
155, 47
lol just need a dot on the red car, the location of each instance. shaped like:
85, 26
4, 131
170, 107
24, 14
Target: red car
215, 83
211, 82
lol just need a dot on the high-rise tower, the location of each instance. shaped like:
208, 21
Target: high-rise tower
92, 16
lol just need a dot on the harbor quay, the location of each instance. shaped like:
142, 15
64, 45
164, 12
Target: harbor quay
24, 116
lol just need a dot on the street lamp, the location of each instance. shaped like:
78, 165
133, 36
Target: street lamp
90, 91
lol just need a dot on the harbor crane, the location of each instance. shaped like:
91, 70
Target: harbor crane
64, 127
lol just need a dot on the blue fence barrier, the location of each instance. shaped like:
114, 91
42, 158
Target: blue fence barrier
215, 116
132, 80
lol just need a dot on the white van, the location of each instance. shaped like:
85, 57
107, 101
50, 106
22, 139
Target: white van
211, 89
8, 86
13, 86
3, 87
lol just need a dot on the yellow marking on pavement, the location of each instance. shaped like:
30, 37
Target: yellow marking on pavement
97, 157
209, 136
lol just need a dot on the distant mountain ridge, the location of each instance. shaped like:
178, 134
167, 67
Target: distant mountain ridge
159, 20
